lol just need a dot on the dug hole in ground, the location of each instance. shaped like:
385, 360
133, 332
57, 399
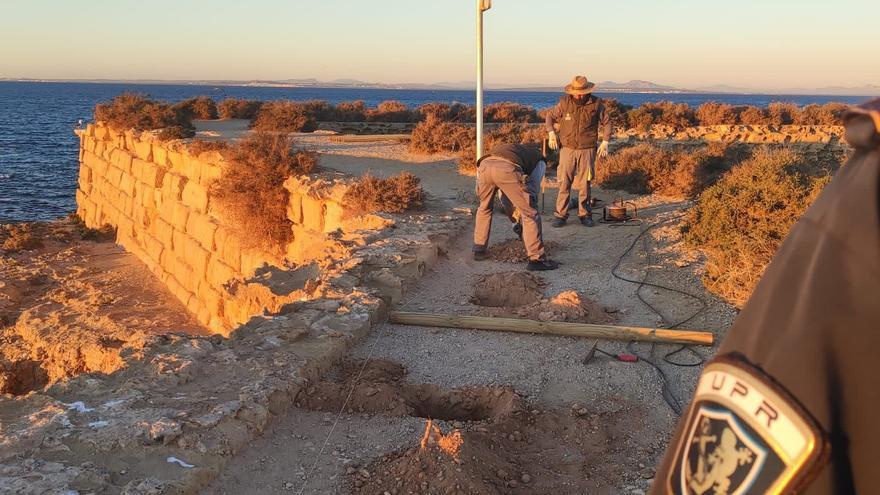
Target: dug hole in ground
509, 413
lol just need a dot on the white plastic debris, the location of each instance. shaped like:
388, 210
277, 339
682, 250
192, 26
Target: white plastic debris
79, 406
98, 424
175, 460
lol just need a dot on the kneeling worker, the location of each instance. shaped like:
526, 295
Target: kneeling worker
508, 167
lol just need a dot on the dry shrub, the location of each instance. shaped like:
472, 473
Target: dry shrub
510, 113
200, 107
827, 114
350, 112
645, 169
754, 116
251, 191
199, 146
284, 116
618, 113
456, 112
138, 112
234, 108
393, 111
782, 113
437, 136
19, 237
678, 115
394, 194
741, 220
714, 113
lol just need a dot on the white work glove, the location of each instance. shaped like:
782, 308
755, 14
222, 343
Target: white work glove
553, 140
603, 150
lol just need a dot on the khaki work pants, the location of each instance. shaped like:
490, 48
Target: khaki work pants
494, 175
576, 168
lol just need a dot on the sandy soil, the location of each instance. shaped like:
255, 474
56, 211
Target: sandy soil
77, 306
625, 400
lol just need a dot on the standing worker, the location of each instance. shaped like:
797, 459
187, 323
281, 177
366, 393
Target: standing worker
510, 169
580, 116
790, 403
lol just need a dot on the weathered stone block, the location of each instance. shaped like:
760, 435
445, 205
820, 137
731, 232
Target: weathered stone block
185, 275
294, 208
85, 177
179, 240
146, 195
153, 247
195, 196
166, 211
172, 186
160, 155
114, 176
230, 251
127, 184
313, 212
143, 149
176, 288
201, 228
124, 227
210, 173
100, 148
164, 232
180, 216
251, 259
192, 168
212, 299
198, 259
122, 159
333, 219
151, 174
219, 273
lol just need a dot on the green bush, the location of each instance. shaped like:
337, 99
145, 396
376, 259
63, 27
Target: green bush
741, 220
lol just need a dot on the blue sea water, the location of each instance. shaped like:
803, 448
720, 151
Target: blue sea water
38, 150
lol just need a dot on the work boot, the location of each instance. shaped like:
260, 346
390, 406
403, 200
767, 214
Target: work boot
558, 222
517, 229
541, 265
481, 256
587, 221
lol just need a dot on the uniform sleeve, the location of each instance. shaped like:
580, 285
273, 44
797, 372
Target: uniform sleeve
604, 122
553, 115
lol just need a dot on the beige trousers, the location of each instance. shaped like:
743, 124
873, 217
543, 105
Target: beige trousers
576, 168
495, 174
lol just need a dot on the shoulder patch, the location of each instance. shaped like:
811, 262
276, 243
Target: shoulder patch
743, 434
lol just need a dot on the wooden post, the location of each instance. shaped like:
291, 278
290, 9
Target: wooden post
554, 328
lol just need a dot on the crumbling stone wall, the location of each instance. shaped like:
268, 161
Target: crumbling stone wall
157, 196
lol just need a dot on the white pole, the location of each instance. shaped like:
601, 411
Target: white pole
482, 5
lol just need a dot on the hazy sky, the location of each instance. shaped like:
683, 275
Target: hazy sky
686, 43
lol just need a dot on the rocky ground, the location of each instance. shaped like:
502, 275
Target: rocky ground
268, 410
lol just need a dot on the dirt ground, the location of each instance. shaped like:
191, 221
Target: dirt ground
76, 305
598, 427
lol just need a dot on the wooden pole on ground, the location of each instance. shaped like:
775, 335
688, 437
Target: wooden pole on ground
554, 328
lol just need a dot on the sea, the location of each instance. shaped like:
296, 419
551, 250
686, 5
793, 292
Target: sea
38, 148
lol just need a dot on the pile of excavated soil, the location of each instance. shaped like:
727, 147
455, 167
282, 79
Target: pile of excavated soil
520, 295
377, 387
558, 452
514, 251
69, 305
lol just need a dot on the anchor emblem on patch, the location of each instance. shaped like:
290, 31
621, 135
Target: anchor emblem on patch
744, 435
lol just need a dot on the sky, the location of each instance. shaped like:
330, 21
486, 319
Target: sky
684, 43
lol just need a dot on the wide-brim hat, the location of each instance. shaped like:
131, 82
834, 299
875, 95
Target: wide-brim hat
580, 86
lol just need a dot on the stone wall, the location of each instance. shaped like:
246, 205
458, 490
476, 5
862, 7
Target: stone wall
158, 197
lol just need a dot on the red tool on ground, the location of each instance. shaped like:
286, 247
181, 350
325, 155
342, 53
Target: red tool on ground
625, 357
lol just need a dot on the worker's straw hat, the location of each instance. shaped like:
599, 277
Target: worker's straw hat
580, 86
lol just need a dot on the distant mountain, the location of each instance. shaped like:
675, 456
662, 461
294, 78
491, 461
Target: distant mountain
869, 90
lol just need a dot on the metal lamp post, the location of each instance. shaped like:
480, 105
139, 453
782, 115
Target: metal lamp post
482, 6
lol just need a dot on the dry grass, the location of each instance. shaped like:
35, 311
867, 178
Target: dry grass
680, 174
199, 146
138, 112
234, 108
18, 237
394, 194
251, 192
200, 107
284, 116
741, 220
393, 111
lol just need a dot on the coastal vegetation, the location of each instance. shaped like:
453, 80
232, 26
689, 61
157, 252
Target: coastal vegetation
394, 194
251, 190
140, 113
741, 220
